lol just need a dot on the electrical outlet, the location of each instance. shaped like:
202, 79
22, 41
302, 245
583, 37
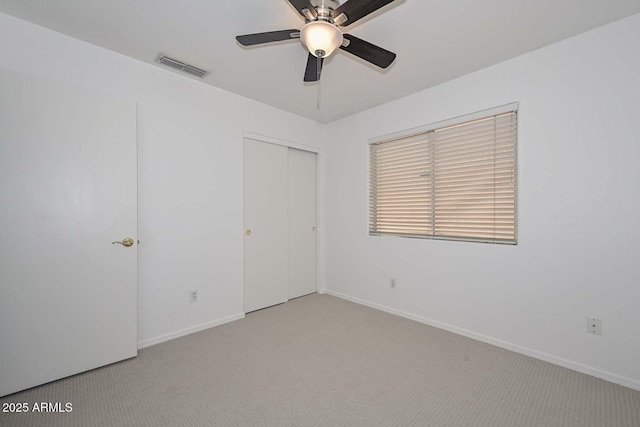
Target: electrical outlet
193, 295
594, 326
393, 283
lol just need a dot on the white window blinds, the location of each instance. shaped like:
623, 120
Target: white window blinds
456, 182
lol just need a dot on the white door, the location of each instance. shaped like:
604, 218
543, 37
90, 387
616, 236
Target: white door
302, 223
266, 223
68, 296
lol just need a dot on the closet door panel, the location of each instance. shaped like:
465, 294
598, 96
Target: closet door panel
266, 224
302, 223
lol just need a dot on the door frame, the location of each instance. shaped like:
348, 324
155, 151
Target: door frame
320, 219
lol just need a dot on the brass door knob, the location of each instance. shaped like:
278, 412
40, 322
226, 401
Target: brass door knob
126, 242
248, 232
313, 229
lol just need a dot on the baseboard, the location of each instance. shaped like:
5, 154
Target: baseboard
578, 367
187, 331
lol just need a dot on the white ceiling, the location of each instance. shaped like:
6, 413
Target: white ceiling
435, 40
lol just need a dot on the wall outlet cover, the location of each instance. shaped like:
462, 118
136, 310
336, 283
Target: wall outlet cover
193, 295
594, 326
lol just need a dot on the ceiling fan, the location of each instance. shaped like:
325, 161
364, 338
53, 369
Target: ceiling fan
321, 34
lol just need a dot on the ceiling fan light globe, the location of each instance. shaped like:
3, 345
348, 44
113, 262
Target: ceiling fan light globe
321, 38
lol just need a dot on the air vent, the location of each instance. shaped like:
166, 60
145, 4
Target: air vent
181, 66
195, 71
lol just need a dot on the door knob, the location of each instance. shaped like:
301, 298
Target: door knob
313, 229
126, 242
248, 232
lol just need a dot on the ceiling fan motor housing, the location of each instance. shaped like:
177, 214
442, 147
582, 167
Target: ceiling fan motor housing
329, 4
324, 9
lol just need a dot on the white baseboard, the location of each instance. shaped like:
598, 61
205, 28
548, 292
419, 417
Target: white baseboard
177, 334
585, 369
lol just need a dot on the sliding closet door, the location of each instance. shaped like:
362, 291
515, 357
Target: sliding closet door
266, 224
302, 223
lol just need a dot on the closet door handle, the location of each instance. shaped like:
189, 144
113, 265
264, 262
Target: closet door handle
248, 232
125, 242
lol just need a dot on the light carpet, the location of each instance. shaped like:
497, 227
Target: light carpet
323, 361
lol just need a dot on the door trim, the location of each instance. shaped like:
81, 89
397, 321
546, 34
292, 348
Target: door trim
278, 141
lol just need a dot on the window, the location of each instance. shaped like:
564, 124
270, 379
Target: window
454, 181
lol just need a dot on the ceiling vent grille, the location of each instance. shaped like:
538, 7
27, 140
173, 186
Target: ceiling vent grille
181, 66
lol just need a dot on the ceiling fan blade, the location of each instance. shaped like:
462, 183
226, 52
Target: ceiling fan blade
367, 51
313, 70
357, 9
301, 5
271, 36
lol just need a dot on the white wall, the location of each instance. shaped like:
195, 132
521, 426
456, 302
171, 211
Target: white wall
579, 203
579, 162
190, 172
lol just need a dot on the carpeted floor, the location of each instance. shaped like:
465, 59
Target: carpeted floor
323, 361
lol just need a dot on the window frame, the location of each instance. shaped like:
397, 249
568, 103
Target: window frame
483, 114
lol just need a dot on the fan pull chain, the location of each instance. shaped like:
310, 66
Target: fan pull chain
318, 70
